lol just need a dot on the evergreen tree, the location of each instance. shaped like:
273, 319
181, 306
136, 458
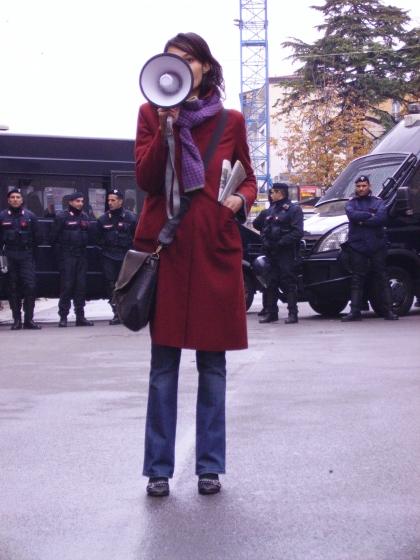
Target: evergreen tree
367, 55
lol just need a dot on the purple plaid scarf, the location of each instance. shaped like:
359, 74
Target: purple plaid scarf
192, 114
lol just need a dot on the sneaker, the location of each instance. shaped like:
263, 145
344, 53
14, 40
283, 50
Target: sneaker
158, 487
209, 484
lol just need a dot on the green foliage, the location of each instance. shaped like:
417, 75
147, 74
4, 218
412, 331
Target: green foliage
366, 53
366, 56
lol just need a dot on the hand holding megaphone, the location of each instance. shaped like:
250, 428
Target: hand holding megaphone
167, 117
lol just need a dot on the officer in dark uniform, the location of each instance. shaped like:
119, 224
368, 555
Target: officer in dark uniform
70, 236
115, 237
19, 236
366, 245
258, 224
281, 235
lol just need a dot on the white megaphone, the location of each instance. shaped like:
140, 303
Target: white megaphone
166, 80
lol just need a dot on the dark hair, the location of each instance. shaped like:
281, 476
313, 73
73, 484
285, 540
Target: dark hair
197, 47
281, 187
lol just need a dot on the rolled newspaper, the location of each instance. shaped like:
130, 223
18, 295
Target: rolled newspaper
230, 180
226, 173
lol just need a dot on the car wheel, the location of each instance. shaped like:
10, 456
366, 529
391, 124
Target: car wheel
401, 290
328, 308
249, 289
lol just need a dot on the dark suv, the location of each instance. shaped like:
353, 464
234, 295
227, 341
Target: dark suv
393, 168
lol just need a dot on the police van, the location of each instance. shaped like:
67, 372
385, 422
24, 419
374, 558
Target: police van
47, 169
393, 169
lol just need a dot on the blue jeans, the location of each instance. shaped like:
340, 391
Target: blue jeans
159, 452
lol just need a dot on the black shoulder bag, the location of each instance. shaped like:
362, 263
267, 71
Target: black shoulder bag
135, 289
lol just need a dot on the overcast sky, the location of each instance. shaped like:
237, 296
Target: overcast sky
72, 68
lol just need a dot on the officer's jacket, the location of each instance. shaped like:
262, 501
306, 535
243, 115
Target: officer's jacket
115, 232
367, 217
70, 231
19, 231
259, 221
283, 225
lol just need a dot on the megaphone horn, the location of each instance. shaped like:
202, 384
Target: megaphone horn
166, 80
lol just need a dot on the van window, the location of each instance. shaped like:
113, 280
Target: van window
126, 183
43, 196
55, 198
377, 169
97, 200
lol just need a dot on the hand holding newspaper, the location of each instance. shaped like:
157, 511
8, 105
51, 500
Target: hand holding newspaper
230, 179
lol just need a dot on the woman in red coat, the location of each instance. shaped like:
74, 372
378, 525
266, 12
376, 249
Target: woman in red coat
200, 300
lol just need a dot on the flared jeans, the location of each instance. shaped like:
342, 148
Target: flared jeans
159, 454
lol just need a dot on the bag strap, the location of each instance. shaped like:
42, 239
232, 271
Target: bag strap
167, 233
182, 203
171, 180
215, 137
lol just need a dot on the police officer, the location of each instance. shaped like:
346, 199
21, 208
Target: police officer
281, 235
258, 224
115, 237
366, 244
70, 236
19, 236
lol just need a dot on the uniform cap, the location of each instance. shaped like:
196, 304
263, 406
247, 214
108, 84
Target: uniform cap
362, 179
12, 191
74, 195
117, 193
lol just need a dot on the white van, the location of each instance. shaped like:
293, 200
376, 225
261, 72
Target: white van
393, 169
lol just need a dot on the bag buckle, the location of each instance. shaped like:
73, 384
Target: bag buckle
157, 251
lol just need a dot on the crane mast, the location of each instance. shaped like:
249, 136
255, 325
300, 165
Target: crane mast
253, 25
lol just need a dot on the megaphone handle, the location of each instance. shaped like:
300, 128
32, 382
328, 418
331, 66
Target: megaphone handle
169, 125
171, 180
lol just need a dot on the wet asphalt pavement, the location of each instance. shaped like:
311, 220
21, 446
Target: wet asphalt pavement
323, 446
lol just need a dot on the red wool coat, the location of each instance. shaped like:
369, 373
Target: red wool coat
200, 300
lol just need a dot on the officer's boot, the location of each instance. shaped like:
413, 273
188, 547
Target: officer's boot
115, 320
63, 320
271, 315
15, 306
292, 308
264, 305
81, 320
28, 307
355, 305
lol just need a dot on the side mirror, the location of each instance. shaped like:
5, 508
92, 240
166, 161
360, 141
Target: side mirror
388, 186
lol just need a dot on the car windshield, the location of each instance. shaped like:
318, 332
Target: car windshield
332, 208
377, 168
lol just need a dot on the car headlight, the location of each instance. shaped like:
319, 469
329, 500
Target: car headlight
333, 240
